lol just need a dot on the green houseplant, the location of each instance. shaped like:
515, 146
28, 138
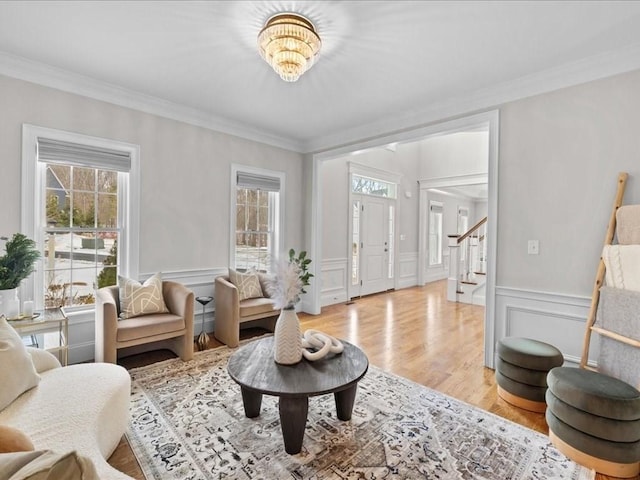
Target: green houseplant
18, 262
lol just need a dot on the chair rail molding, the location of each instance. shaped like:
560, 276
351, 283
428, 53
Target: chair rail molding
555, 318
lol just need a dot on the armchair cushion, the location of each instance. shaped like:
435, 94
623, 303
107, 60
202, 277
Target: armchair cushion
148, 326
141, 299
248, 284
17, 374
255, 306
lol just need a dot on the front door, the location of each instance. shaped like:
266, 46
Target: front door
376, 254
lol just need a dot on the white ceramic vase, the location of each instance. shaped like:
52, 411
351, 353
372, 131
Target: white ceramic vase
287, 348
5, 297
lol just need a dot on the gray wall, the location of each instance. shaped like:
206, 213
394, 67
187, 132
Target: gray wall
560, 154
185, 173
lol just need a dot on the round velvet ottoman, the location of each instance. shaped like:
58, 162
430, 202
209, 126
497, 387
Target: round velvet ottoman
521, 371
594, 419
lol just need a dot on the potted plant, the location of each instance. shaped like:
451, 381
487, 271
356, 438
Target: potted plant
290, 279
16, 264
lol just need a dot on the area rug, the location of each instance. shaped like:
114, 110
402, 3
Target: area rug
188, 423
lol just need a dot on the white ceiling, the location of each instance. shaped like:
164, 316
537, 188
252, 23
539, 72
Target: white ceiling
384, 65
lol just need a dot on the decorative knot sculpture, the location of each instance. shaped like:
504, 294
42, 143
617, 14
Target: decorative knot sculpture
322, 343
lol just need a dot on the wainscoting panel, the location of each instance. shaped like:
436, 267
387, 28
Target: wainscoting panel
201, 282
556, 319
407, 269
334, 281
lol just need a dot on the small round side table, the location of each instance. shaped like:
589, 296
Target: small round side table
203, 338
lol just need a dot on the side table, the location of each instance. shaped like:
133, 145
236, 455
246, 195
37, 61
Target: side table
50, 320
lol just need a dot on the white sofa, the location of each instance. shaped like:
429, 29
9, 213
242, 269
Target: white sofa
82, 407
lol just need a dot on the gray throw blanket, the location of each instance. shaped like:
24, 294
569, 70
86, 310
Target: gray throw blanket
619, 311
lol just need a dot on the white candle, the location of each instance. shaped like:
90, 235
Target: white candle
27, 308
13, 308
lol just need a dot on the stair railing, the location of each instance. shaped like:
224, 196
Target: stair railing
467, 258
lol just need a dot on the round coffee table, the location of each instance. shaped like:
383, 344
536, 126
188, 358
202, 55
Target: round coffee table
254, 369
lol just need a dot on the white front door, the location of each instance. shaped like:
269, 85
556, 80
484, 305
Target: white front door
377, 245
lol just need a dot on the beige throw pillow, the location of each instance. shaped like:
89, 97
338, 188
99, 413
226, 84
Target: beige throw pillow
46, 465
248, 284
137, 299
17, 374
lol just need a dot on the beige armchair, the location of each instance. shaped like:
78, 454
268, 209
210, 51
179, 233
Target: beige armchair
232, 314
173, 330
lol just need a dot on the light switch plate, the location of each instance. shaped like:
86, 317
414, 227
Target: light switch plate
533, 247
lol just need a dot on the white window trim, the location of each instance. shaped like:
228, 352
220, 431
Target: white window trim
33, 214
277, 226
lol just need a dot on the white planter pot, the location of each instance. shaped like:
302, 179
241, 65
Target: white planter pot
5, 297
287, 348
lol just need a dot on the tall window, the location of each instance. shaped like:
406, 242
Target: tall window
82, 214
435, 233
257, 218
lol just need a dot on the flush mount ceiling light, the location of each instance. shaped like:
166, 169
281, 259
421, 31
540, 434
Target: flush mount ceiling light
289, 43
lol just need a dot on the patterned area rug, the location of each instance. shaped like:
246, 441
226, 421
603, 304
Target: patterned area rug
188, 423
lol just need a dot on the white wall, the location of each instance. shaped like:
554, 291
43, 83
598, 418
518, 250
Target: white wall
185, 179
560, 154
456, 154
185, 173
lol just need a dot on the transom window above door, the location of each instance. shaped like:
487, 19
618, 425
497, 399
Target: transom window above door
372, 186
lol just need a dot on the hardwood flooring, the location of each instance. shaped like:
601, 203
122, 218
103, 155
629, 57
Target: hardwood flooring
415, 333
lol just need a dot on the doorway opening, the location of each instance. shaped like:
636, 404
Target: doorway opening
329, 271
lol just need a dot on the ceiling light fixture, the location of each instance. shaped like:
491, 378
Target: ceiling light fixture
289, 43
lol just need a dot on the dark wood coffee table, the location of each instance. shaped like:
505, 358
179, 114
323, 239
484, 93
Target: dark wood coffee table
254, 369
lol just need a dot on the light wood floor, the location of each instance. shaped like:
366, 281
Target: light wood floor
415, 333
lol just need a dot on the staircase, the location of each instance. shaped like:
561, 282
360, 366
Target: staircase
468, 265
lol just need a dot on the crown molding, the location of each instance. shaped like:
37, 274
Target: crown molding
582, 71
49, 76
592, 68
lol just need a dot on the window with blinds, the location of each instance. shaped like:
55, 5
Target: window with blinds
82, 227
257, 218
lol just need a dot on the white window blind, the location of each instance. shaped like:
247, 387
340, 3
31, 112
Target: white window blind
258, 182
67, 153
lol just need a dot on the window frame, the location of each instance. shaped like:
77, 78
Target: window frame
33, 211
439, 236
275, 218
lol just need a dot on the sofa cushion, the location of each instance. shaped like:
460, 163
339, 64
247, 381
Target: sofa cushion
14, 440
17, 374
255, 306
148, 326
141, 299
248, 284
46, 465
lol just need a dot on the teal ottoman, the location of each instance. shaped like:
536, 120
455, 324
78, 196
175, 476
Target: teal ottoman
521, 371
594, 419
